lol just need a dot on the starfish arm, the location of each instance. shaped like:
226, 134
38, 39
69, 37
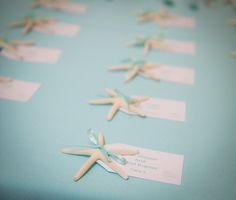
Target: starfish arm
121, 67
22, 43
17, 23
150, 74
134, 72
87, 165
122, 151
14, 52
113, 110
77, 151
136, 111
148, 66
101, 139
102, 101
111, 92
139, 99
116, 168
29, 26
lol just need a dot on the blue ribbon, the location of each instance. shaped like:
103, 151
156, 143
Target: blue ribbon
108, 154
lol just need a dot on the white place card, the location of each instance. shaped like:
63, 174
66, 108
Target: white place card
163, 109
178, 21
175, 46
68, 7
17, 90
61, 29
175, 74
35, 54
152, 165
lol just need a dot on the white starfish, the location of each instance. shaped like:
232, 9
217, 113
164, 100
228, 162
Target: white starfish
29, 23
137, 67
98, 154
11, 47
121, 101
149, 43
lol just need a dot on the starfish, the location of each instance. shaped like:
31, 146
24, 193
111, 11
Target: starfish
52, 3
149, 43
234, 53
101, 151
29, 23
231, 22
158, 16
11, 47
121, 101
136, 67
4, 79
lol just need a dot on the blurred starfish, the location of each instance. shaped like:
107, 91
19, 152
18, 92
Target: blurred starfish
137, 67
101, 151
121, 101
234, 53
52, 3
149, 43
11, 47
231, 22
4, 79
29, 23
157, 16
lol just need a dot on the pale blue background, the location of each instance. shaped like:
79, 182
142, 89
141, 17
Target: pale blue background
33, 133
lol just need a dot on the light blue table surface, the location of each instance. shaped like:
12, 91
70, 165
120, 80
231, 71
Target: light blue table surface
32, 134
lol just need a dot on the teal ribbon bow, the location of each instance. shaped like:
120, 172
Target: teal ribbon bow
108, 154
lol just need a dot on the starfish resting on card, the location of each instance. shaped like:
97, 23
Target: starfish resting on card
121, 101
101, 151
137, 67
11, 47
156, 16
29, 23
149, 43
51, 3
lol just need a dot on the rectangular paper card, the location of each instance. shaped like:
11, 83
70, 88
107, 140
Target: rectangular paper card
17, 90
175, 46
163, 109
175, 74
34, 54
178, 21
152, 165
68, 7
61, 29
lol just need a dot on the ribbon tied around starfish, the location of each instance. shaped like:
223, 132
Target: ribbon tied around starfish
107, 153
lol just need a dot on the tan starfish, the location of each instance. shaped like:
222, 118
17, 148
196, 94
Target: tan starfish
104, 152
157, 16
4, 79
29, 23
137, 67
231, 22
120, 101
11, 47
234, 53
52, 3
149, 43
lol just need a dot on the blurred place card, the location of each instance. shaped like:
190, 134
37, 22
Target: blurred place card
17, 90
152, 165
68, 7
175, 74
35, 54
163, 109
178, 21
175, 46
61, 29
